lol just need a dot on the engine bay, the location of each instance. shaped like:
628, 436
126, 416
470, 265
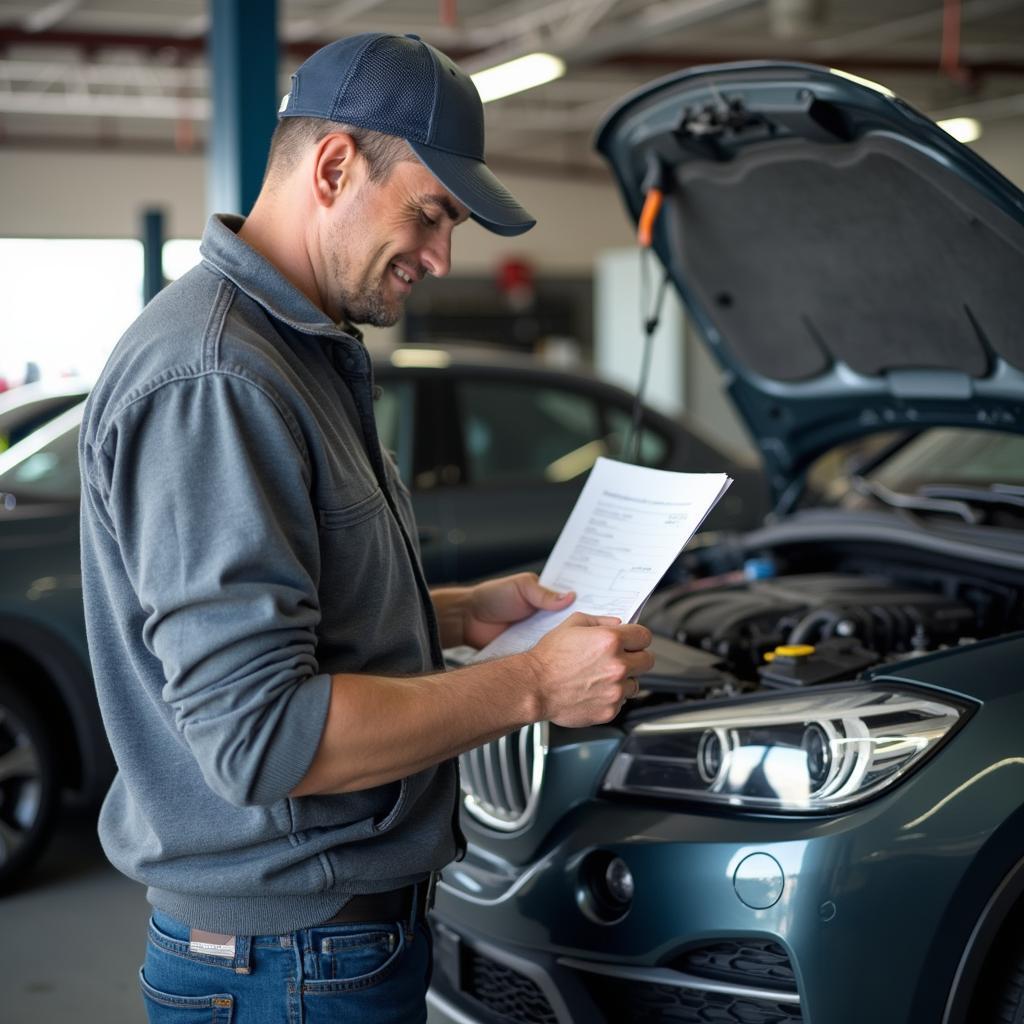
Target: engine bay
795, 618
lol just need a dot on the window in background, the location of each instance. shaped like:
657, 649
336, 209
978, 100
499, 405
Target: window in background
65, 302
180, 255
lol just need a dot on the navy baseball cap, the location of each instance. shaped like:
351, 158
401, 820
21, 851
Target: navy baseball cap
400, 85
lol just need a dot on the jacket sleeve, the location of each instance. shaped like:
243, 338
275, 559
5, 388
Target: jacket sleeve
209, 497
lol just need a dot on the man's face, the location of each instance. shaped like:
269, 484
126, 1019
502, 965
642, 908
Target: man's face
389, 236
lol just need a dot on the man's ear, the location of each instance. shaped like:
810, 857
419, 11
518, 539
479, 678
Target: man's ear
335, 167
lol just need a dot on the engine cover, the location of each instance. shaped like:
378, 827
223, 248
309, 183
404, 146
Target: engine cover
739, 623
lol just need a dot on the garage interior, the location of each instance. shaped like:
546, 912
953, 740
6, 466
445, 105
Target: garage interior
107, 115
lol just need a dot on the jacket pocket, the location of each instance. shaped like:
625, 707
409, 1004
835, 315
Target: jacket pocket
352, 515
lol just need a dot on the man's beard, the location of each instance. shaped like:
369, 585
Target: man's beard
371, 306
365, 301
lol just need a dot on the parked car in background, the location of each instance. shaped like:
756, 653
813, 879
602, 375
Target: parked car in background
814, 811
24, 409
51, 737
494, 449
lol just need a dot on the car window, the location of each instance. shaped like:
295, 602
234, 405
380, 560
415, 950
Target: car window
524, 432
48, 470
654, 447
26, 421
394, 411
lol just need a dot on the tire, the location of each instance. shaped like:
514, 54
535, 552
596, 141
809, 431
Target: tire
999, 998
29, 785
1009, 989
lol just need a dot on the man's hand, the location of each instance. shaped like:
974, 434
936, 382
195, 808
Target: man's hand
586, 668
490, 608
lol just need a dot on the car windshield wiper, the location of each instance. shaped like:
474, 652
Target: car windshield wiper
914, 502
996, 494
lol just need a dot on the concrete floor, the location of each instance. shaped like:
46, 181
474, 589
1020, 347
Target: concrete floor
73, 936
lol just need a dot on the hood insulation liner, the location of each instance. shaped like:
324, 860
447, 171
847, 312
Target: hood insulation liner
866, 253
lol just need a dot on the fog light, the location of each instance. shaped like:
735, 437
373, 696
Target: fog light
606, 887
619, 881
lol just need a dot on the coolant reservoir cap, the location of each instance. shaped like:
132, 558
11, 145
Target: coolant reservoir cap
794, 650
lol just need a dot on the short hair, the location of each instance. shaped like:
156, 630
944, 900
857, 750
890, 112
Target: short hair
294, 135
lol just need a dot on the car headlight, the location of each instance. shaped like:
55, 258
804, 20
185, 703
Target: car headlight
816, 751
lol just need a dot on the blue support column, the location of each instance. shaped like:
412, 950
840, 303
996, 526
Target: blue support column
242, 55
152, 253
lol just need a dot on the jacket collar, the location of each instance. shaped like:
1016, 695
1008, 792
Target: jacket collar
262, 281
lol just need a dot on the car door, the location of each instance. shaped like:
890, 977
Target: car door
407, 417
525, 444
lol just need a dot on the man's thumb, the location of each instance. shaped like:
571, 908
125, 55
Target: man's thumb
545, 597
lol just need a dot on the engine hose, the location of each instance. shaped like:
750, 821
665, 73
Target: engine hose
824, 617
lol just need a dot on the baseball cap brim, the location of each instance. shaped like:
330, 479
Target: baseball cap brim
475, 186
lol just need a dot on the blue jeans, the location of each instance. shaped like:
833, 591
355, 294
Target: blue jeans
365, 973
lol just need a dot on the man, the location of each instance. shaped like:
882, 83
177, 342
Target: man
266, 652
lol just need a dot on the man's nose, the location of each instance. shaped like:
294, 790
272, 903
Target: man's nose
436, 256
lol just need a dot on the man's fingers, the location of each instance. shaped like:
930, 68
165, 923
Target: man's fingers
638, 662
584, 619
635, 637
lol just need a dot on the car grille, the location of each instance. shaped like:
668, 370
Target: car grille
731, 981
501, 780
506, 992
759, 962
627, 1001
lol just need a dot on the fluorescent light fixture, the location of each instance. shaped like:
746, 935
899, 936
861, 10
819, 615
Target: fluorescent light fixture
516, 75
963, 129
434, 358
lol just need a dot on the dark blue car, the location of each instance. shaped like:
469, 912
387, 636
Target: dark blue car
815, 811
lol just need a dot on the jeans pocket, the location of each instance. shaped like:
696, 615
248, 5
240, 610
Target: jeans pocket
390, 988
357, 956
168, 1008
160, 942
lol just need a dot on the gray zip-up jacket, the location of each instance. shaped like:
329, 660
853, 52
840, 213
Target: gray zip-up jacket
243, 537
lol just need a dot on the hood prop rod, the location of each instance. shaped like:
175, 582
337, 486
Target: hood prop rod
654, 187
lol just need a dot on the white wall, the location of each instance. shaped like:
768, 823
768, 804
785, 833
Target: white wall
619, 335
53, 194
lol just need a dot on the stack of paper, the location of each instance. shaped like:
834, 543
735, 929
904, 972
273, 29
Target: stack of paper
628, 526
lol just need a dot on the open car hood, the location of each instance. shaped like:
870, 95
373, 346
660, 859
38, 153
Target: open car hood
851, 266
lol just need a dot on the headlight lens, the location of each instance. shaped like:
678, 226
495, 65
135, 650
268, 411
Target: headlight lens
816, 751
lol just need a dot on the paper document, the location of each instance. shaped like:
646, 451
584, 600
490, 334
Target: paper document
627, 527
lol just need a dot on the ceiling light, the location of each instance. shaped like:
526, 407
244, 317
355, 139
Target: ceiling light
963, 129
516, 75
435, 358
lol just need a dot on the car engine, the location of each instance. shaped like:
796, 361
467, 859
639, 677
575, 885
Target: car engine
728, 633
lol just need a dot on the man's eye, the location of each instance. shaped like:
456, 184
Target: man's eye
426, 221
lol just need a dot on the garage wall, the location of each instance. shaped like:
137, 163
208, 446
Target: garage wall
101, 195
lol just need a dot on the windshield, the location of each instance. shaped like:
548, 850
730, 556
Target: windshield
956, 462
44, 465
947, 455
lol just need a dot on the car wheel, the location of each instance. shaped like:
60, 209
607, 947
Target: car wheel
28, 784
999, 998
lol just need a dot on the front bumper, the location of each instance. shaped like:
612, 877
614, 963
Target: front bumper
830, 921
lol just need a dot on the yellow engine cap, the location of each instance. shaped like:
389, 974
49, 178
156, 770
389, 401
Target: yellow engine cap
794, 650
